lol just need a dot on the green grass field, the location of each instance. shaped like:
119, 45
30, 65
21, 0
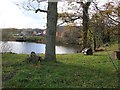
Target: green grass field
70, 71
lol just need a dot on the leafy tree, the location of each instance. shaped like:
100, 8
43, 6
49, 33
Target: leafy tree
97, 29
111, 11
51, 25
85, 17
108, 17
85, 7
72, 35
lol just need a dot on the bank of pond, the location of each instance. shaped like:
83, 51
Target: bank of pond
28, 47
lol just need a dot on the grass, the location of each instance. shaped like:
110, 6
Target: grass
70, 71
39, 39
35, 39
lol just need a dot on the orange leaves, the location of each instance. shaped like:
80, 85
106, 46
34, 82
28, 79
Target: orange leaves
62, 15
109, 4
110, 8
106, 11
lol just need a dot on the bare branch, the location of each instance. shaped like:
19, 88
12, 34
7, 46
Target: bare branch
5, 47
30, 6
29, 2
106, 14
113, 19
40, 11
61, 23
70, 20
88, 4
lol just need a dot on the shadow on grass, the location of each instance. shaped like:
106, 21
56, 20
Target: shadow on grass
57, 75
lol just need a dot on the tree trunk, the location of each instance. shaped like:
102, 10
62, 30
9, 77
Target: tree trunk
119, 27
85, 23
51, 31
119, 36
94, 42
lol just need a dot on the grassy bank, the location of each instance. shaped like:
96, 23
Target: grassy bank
37, 39
70, 71
40, 39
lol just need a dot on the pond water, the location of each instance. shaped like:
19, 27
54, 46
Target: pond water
28, 47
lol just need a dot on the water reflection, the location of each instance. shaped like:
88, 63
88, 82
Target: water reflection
27, 47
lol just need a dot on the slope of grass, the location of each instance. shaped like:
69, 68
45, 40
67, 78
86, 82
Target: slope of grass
35, 39
70, 71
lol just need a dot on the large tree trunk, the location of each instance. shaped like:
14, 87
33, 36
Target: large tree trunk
85, 23
51, 31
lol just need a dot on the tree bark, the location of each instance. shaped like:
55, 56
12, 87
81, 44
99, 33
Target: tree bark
119, 27
51, 31
85, 23
94, 42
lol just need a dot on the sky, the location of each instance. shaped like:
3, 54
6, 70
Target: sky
12, 16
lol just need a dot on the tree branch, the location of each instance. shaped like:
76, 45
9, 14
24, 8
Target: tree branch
113, 19
67, 21
88, 4
106, 14
41, 11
